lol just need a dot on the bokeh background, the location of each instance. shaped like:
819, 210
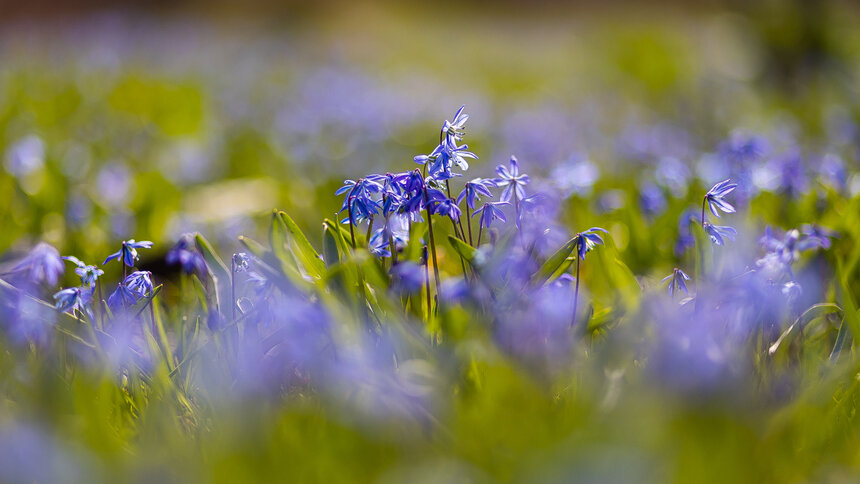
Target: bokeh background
151, 119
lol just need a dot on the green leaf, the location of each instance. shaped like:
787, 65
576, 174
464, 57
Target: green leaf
809, 315
330, 246
218, 272
465, 250
554, 261
302, 248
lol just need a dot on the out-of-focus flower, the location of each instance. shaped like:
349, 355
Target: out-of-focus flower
511, 181
25, 156
742, 148
714, 197
42, 265
89, 274
719, 233
127, 254
677, 280
187, 255
241, 262
408, 277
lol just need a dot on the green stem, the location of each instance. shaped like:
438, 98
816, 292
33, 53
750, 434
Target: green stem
575, 291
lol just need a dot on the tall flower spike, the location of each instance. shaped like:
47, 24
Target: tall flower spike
714, 197
127, 254
676, 281
511, 180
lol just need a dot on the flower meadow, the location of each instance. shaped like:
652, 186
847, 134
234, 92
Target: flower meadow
602, 290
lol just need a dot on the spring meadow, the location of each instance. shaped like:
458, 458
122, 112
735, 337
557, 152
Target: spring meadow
385, 242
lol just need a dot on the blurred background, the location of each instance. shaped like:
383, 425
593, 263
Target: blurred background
150, 119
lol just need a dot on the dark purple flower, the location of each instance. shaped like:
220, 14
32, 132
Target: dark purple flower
588, 240
127, 254
73, 298
187, 255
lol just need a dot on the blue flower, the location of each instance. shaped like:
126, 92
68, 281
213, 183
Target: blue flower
127, 254
140, 282
448, 153
123, 297
453, 131
511, 180
440, 204
73, 298
241, 262
187, 255
43, 265
714, 197
678, 278
89, 274
588, 240
490, 211
378, 244
720, 232
789, 246
473, 189
359, 198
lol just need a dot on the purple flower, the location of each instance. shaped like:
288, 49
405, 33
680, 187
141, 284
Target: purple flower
89, 274
473, 189
588, 240
714, 197
42, 265
719, 233
453, 131
127, 254
73, 298
187, 255
359, 198
490, 211
676, 281
241, 262
122, 297
511, 181
140, 282
440, 204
